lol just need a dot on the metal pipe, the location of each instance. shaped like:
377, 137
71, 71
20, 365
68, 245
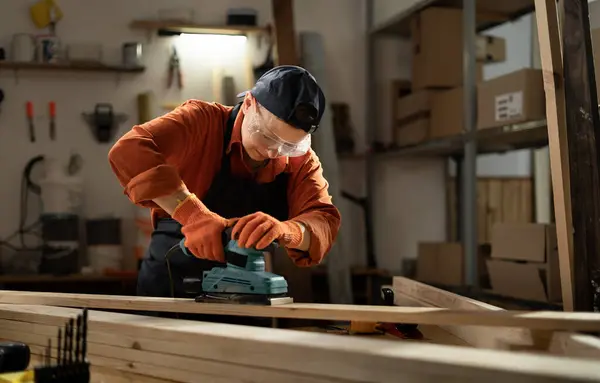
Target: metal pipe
469, 174
369, 131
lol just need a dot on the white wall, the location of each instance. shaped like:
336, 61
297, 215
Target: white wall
344, 44
106, 22
409, 194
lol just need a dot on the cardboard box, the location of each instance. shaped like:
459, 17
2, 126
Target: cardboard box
513, 98
442, 263
447, 112
524, 261
490, 49
414, 105
532, 242
526, 280
412, 133
437, 49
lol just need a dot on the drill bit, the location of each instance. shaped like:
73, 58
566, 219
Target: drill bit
48, 351
71, 324
65, 348
58, 356
84, 335
78, 338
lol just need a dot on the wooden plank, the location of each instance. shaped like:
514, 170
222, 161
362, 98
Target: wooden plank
494, 210
331, 357
551, 58
108, 369
583, 133
543, 320
162, 363
477, 336
98, 374
525, 200
68, 67
154, 25
575, 345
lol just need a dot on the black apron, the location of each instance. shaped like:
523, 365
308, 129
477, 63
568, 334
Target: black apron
230, 197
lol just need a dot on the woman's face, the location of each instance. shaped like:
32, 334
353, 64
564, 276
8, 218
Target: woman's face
265, 136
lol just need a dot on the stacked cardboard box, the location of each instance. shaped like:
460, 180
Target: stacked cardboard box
434, 109
524, 261
513, 98
443, 263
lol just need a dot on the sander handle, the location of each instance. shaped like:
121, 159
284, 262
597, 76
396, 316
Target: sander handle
231, 257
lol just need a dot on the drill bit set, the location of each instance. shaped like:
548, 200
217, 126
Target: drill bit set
71, 365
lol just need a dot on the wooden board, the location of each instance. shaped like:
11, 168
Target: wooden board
499, 199
558, 343
543, 320
575, 345
477, 336
551, 58
212, 352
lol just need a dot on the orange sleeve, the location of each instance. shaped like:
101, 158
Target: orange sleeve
146, 158
311, 205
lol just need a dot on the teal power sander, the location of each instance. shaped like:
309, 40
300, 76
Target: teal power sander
243, 280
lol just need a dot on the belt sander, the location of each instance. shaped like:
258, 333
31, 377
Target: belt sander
243, 280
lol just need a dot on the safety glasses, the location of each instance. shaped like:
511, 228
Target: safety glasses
264, 137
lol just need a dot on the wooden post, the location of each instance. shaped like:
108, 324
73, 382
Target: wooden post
551, 59
583, 132
285, 36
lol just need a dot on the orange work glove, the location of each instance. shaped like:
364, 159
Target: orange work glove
259, 230
202, 229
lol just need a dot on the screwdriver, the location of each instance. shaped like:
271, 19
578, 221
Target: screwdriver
52, 110
29, 109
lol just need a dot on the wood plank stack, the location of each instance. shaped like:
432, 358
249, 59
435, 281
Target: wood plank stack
134, 348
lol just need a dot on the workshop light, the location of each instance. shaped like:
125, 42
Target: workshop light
211, 46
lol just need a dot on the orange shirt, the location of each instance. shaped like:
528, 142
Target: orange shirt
186, 145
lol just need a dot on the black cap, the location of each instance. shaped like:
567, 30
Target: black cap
292, 94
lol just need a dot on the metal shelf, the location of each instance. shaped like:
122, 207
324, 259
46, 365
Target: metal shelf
528, 135
490, 13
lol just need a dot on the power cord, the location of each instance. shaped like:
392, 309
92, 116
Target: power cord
167, 258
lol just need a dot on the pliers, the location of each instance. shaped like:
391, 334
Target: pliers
174, 70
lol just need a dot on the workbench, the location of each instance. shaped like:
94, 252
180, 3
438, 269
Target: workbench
465, 340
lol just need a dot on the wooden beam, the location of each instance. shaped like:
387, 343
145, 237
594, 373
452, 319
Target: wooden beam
285, 34
551, 59
575, 345
477, 336
222, 351
583, 133
542, 320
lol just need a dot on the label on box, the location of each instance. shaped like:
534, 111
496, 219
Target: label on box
509, 106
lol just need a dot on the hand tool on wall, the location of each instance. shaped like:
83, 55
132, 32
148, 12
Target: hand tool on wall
52, 111
244, 280
29, 110
175, 70
104, 122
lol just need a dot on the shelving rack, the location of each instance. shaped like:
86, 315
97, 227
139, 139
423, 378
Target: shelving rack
478, 16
